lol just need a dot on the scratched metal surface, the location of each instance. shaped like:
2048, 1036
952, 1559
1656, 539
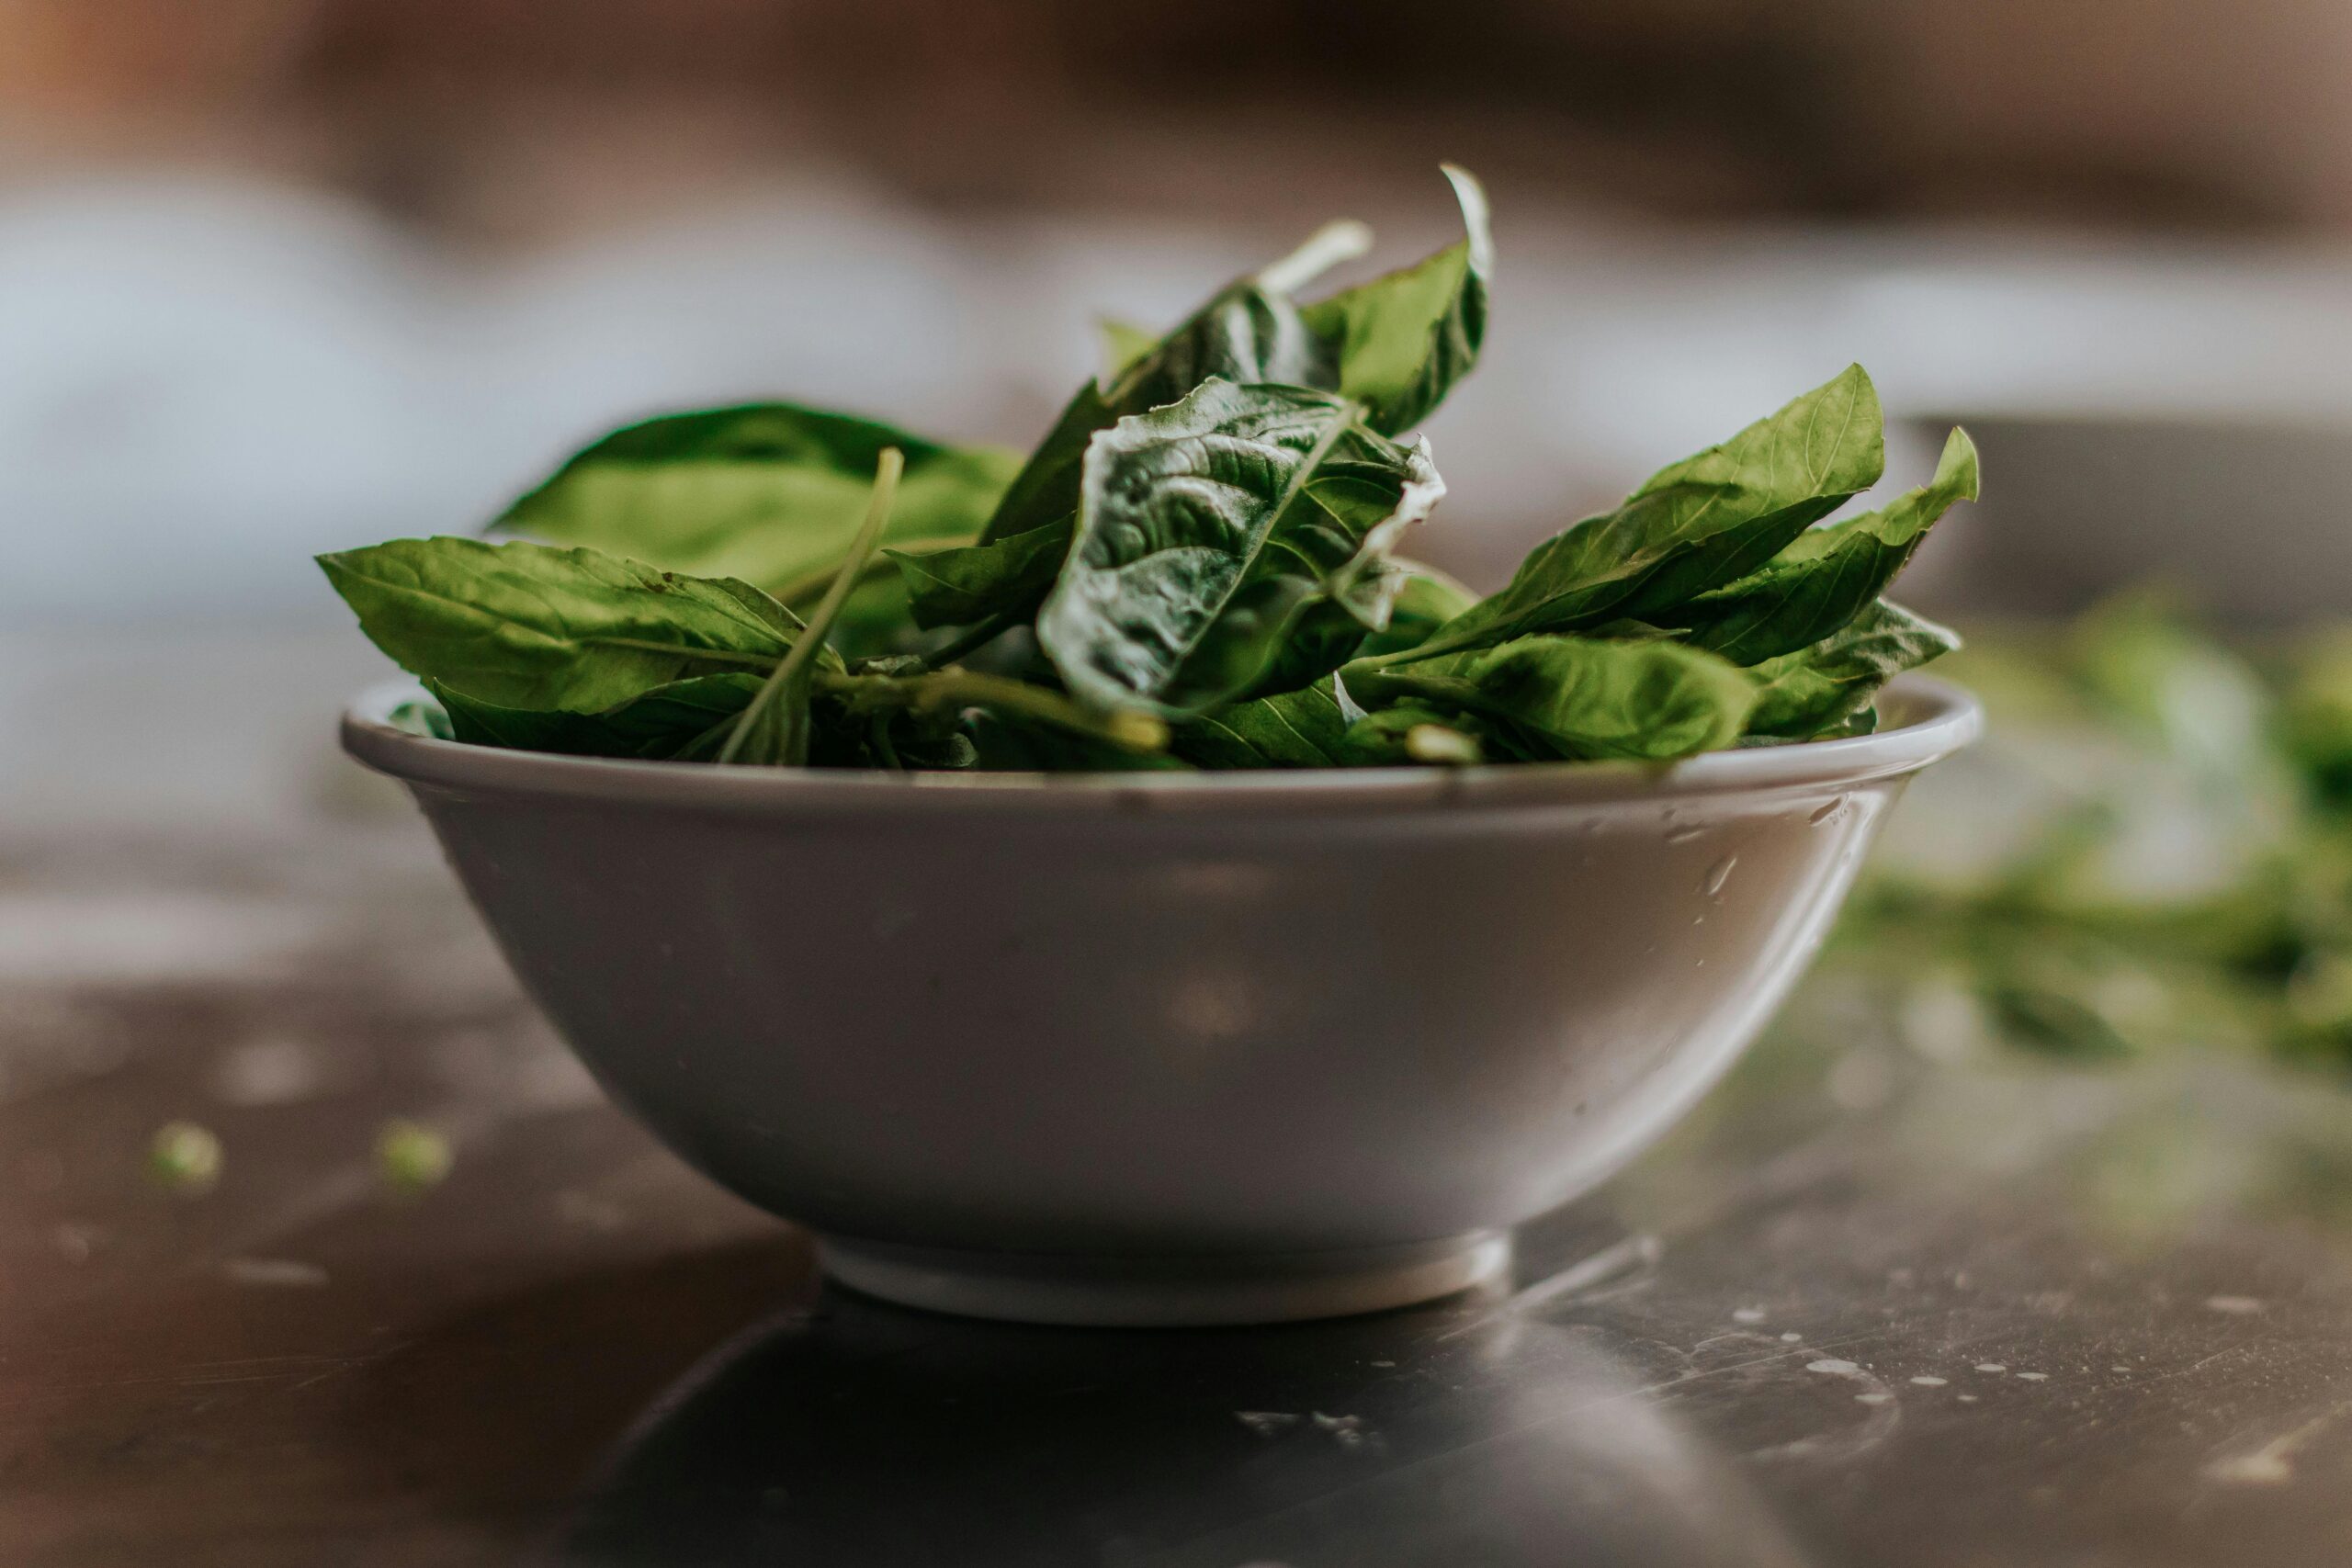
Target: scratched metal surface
1866, 1308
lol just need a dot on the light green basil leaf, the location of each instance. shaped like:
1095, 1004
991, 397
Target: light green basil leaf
1426, 600
1825, 577
1207, 530
1648, 701
769, 492
1294, 730
685, 721
530, 626
1403, 341
1701, 523
1804, 694
1123, 344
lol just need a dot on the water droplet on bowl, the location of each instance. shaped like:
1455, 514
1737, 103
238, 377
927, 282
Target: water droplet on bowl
1717, 874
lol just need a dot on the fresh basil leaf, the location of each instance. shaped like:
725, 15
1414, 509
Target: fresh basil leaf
1408, 337
1329, 633
1122, 344
528, 625
1245, 334
1324, 637
957, 587
1583, 697
1825, 577
769, 492
776, 728
1426, 600
1294, 729
1804, 694
1208, 528
1248, 332
1403, 341
1708, 520
683, 720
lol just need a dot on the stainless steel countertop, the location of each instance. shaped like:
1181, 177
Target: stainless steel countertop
1865, 1308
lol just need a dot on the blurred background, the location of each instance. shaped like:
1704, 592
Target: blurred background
279, 276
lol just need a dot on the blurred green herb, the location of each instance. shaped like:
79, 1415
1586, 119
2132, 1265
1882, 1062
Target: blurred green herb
2151, 848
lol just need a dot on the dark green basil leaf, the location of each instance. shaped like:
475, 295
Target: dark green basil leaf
1326, 636
1804, 694
1649, 701
957, 587
1007, 741
1403, 341
1825, 577
529, 626
1405, 338
1294, 729
1708, 520
769, 492
1418, 734
1208, 528
1333, 631
1248, 332
1245, 334
683, 720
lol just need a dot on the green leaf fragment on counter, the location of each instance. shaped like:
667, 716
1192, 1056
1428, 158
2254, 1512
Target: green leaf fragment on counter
410, 1158
185, 1158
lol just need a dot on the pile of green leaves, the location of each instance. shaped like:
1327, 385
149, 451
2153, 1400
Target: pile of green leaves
2151, 849
1198, 567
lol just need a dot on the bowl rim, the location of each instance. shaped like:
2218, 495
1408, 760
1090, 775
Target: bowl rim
1936, 718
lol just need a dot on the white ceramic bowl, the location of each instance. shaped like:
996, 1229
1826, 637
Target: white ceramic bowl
1154, 1048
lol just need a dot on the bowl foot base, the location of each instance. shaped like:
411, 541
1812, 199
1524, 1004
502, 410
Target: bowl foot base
1110, 1291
